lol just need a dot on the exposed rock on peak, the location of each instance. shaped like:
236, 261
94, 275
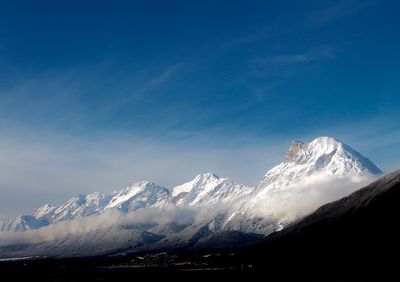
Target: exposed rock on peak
294, 149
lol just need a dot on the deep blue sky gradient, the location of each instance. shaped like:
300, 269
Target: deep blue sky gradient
204, 74
160, 67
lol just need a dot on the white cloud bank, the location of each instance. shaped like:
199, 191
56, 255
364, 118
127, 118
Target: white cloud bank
306, 195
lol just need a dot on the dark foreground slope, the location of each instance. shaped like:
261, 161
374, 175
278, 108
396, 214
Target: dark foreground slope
357, 235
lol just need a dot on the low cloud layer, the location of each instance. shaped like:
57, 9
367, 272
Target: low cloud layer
303, 197
104, 233
106, 220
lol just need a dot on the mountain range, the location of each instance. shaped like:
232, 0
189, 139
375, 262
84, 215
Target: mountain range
147, 216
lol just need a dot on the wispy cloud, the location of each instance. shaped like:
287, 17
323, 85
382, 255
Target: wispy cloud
275, 70
81, 95
165, 74
338, 10
246, 39
283, 60
157, 78
316, 55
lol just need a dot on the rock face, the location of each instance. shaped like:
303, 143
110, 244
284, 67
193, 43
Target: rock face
294, 149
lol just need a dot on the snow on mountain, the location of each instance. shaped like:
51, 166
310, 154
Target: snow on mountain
207, 189
322, 154
137, 196
311, 174
22, 223
44, 211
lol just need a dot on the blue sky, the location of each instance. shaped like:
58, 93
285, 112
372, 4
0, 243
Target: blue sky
97, 94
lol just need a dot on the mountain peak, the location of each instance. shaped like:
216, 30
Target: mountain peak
43, 211
206, 189
141, 183
318, 146
199, 181
326, 139
325, 144
136, 190
206, 176
323, 154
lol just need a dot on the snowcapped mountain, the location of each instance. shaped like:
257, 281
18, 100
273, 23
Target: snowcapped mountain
323, 154
140, 195
208, 189
204, 189
310, 175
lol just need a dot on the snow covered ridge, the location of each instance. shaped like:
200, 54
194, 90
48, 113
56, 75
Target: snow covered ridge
208, 189
324, 156
204, 189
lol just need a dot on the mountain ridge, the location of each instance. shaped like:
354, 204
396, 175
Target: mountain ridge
216, 204
140, 195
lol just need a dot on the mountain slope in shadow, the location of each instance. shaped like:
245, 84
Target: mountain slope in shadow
357, 234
